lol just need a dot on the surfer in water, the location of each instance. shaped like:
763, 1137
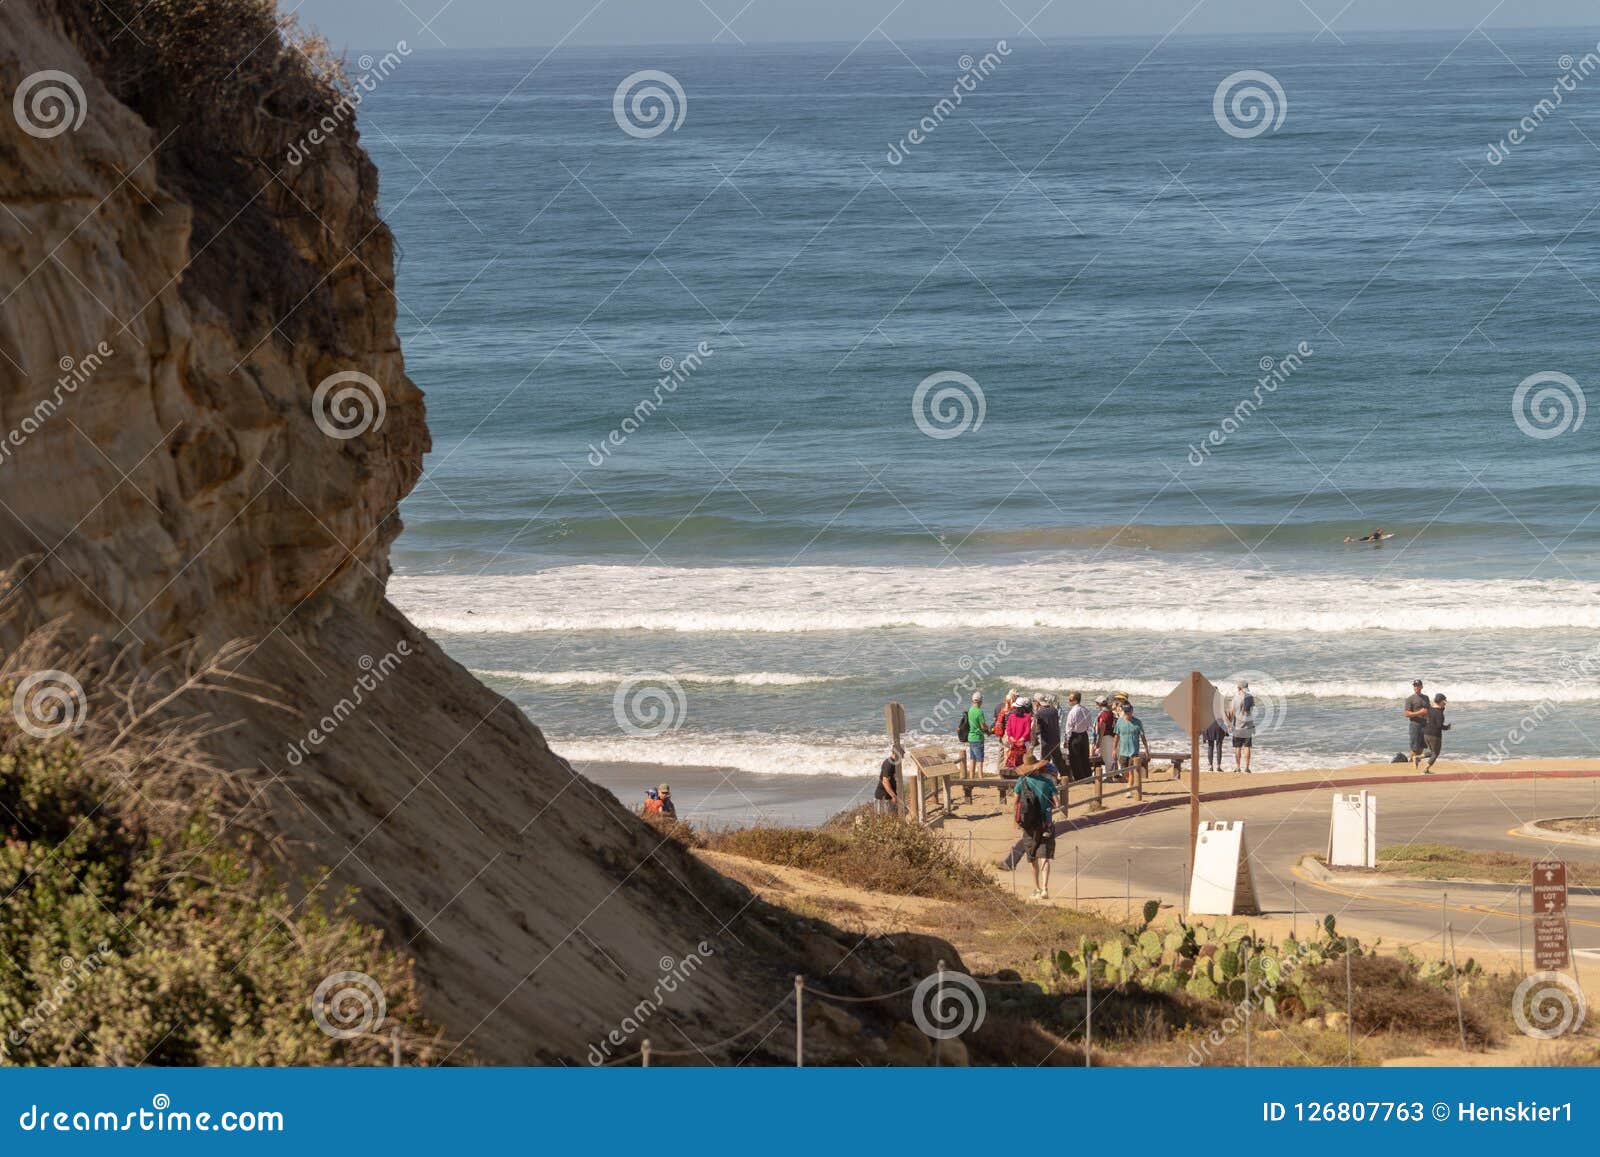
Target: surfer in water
1376, 536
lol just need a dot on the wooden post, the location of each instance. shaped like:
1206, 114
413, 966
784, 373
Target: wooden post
1522, 963
644, 1053
894, 722
1195, 679
394, 1047
799, 1022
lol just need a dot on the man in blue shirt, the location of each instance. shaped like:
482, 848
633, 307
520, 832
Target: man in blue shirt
1132, 743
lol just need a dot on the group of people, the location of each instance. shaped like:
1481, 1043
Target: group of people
1032, 727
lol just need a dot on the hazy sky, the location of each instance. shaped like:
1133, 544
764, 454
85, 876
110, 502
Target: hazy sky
505, 23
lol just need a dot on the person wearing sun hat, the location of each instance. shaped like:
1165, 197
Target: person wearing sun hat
667, 808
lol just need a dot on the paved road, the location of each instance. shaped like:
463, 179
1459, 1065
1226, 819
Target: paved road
1282, 828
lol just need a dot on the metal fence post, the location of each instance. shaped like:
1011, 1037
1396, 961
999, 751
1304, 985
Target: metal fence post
1247, 1007
1127, 898
644, 1053
1349, 1008
1522, 963
799, 1021
1455, 984
1444, 922
1088, 1009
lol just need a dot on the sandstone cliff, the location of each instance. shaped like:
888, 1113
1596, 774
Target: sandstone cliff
175, 292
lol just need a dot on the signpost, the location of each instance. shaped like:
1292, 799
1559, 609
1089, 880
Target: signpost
894, 722
1551, 950
1193, 704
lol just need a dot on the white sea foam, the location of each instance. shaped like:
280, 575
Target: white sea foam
849, 755
606, 678
1097, 596
1148, 690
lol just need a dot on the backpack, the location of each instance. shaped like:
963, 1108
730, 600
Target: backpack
1031, 816
964, 728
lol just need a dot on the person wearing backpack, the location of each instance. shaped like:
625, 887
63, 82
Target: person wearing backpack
1035, 815
971, 730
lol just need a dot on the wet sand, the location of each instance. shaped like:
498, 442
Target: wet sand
725, 797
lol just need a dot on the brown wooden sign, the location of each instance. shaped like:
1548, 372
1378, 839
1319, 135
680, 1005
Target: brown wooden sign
1549, 887
1550, 952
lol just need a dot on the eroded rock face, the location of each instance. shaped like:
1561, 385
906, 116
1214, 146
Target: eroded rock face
157, 380
168, 315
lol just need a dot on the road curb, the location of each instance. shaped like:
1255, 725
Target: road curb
1322, 874
1533, 828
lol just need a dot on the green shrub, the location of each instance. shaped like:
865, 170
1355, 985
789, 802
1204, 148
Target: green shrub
130, 947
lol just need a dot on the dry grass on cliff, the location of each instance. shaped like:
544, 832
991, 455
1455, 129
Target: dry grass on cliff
876, 853
144, 925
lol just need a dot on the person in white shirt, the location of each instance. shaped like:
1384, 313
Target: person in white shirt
1077, 725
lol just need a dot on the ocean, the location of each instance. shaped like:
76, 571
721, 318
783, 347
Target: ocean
823, 389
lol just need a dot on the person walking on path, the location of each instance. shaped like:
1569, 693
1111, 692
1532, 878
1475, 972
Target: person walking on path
1078, 724
1416, 712
886, 799
1035, 815
977, 728
1132, 744
1047, 724
1242, 718
1214, 735
1105, 737
1433, 729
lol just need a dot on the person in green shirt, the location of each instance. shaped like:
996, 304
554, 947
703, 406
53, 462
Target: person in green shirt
1132, 742
977, 728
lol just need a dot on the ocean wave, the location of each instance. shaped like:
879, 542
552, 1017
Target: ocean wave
604, 678
1095, 595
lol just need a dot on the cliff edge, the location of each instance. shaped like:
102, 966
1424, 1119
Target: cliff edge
205, 430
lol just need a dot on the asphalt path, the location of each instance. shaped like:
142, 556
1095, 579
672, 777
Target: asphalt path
1139, 858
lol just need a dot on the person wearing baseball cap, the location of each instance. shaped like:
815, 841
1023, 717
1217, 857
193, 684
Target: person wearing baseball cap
1433, 729
1416, 713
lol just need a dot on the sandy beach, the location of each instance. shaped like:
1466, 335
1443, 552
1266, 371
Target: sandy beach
726, 797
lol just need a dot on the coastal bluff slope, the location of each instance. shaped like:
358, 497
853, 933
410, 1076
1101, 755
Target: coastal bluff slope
176, 290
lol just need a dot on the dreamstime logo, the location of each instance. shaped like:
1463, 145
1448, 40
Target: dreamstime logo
347, 1004
74, 373
674, 373
1547, 1005
1573, 73
948, 404
1548, 404
947, 1004
348, 404
972, 73
1577, 670
352, 91
1270, 702
373, 673
648, 103
48, 103
1275, 372
1249, 103
74, 973
649, 704
674, 974
48, 704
